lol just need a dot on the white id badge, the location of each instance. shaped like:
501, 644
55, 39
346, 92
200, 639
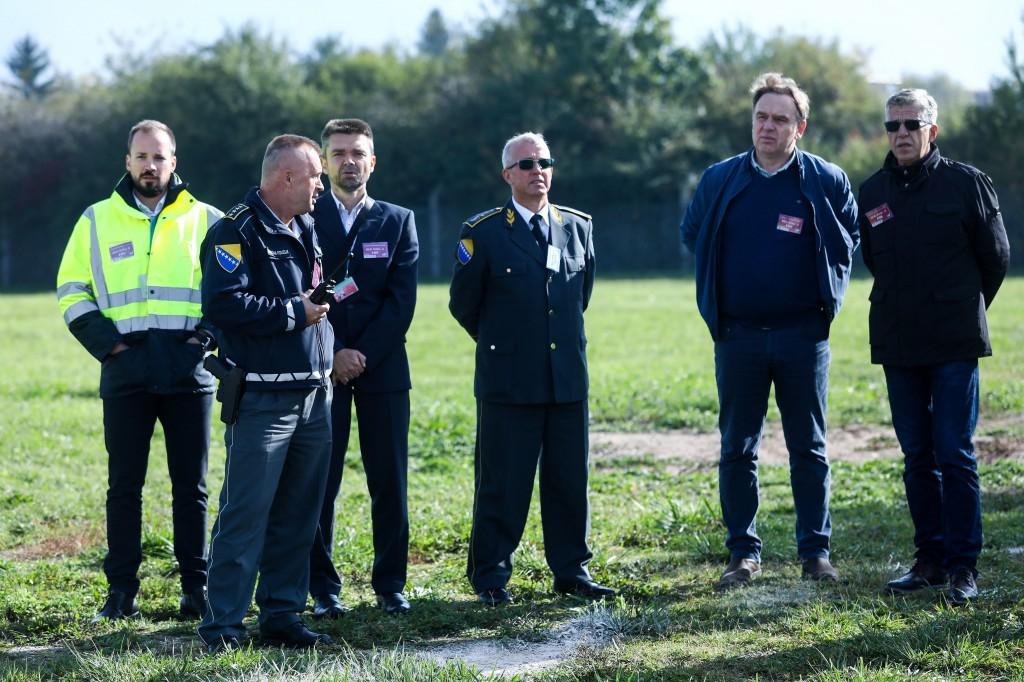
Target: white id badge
554, 258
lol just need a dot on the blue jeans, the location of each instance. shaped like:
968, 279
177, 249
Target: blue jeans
748, 360
934, 412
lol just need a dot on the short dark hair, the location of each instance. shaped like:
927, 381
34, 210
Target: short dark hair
150, 125
777, 84
346, 126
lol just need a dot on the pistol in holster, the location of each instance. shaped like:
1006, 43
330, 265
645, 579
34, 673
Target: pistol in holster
231, 388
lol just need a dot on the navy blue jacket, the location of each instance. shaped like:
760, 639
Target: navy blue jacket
254, 270
526, 320
384, 261
834, 216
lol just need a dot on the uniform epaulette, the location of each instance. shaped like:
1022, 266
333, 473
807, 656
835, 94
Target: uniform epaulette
236, 210
581, 214
964, 168
480, 217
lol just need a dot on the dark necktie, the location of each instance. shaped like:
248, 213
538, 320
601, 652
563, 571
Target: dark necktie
538, 233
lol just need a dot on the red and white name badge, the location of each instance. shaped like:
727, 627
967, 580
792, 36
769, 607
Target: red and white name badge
789, 223
879, 215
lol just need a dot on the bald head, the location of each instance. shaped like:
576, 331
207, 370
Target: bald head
290, 179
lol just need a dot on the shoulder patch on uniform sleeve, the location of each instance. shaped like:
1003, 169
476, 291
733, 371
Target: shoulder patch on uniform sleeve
229, 256
480, 217
236, 210
581, 214
464, 251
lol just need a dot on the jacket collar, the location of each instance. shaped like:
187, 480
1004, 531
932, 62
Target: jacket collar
916, 173
126, 190
270, 221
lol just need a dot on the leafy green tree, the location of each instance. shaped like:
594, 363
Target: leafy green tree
28, 62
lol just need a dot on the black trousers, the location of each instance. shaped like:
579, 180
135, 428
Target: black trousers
510, 441
384, 447
128, 423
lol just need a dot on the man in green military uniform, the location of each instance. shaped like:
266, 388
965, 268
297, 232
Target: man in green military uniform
523, 277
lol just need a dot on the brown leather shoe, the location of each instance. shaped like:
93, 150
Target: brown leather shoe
739, 573
819, 568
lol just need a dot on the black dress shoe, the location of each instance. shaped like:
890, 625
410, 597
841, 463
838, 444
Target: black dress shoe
329, 606
118, 605
919, 577
223, 644
393, 603
496, 596
738, 573
195, 603
295, 636
585, 588
962, 587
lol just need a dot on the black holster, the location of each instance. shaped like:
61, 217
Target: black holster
230, 388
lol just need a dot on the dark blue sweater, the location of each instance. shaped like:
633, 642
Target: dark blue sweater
767, 271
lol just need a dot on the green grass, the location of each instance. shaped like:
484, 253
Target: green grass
656, 533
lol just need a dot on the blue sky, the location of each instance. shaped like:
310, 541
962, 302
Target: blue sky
965, 40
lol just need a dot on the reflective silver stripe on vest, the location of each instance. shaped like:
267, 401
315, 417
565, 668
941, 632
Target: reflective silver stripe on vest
212, 216
95, 256
290, 376
79, 309
146, 322
176, 294
74, 288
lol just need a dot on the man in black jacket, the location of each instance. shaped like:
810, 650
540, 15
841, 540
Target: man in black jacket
935, 243
372, 249
520, 292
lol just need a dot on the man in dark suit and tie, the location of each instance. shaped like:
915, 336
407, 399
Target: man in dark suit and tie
523, 277
372, 249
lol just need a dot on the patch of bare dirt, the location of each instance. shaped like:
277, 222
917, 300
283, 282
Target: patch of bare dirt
856, 443
69, 541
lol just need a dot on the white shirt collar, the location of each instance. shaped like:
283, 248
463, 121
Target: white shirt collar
526, 214
145, 209
348, 218
767, 173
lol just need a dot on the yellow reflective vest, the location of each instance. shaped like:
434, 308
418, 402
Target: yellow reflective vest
123, 276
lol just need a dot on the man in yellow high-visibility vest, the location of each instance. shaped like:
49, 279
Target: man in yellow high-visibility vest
128, 287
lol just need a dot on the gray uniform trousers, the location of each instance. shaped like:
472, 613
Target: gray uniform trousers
278, 453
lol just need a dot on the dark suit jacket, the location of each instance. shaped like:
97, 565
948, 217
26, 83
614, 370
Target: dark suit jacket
527, 322
375, 320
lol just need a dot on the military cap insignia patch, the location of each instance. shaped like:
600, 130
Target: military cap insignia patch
229, 256
464, 251
510, 216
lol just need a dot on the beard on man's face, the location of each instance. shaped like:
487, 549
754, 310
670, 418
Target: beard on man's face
148, 185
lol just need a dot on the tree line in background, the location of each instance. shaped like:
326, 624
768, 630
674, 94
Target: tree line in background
632, 119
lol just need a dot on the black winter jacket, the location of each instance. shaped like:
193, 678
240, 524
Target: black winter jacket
934, 240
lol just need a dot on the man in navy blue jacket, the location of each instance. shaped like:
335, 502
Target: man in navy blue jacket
372, 249
773, 232
260, 263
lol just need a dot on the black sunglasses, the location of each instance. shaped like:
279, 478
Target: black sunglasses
911, 124
527, 164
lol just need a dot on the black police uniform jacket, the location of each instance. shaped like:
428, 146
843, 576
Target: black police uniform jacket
934, 240
384, 259
254, 271
527, 321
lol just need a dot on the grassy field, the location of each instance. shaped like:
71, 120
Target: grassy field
656, 529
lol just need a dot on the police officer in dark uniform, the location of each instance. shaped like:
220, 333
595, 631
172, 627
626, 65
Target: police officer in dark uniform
522, 280
260, 263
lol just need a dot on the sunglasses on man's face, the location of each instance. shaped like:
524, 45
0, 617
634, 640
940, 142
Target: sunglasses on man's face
527, 164
911, 124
